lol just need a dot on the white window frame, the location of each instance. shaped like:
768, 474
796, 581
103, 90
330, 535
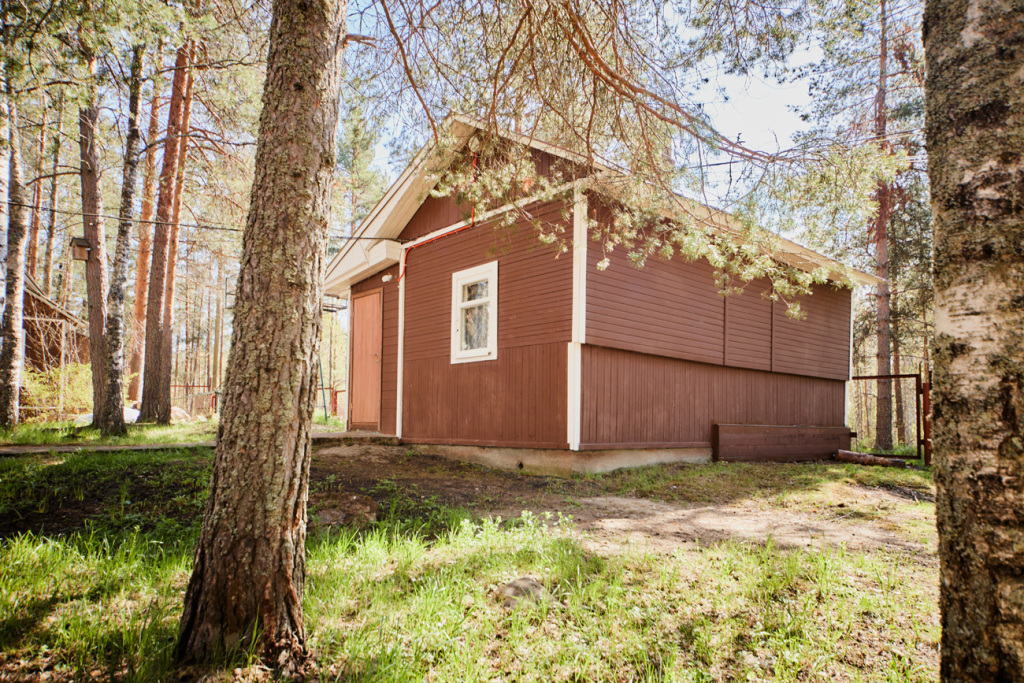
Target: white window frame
489, 272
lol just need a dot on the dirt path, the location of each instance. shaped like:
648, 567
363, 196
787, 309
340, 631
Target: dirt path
612, 522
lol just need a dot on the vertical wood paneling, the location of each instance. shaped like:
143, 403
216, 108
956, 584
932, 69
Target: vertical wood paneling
389, 346
633, 399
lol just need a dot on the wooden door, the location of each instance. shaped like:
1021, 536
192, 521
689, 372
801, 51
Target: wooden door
367, 325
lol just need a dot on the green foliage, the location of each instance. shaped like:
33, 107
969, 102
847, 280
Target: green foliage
41, 391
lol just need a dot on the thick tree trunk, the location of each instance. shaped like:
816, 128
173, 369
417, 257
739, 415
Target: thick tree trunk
975, 139
51, 221
167, 325
880, 234
142, 262
13, 352
32, 253
114, 414
249, 568
5, 168
152, 404
92, 217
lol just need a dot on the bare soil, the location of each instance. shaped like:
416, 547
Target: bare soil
614, 522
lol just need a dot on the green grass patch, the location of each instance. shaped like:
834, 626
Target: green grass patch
412, 597
68, 434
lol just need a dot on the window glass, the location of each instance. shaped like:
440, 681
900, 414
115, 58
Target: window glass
474, 291
474, 327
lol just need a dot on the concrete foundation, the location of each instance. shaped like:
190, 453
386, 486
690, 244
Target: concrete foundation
564, 462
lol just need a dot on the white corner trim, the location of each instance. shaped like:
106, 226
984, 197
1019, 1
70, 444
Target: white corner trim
401, 344
574, 378
575, 384
849, 384
579, 266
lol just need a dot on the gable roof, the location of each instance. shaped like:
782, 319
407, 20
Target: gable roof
392, 213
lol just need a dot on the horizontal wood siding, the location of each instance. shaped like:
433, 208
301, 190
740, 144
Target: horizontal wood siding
520, 397
389, 346
673, 308
748, 327
747, 443
633, 399
819, 344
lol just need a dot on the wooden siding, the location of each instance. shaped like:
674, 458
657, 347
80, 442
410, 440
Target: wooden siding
389, 346
518, 399
673, 308
750, 443
440, 212
633, 399
818, 344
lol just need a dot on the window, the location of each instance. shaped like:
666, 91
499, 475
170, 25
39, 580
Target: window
475, 314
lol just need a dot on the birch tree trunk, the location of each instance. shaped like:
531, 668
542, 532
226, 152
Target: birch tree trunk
13, 353
51, 221
142, 262
249, 570
152, 406
974, 52
32, 253
96, 283
114, 414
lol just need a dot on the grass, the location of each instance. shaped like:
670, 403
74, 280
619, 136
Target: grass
328, 420
67, 433
411, 598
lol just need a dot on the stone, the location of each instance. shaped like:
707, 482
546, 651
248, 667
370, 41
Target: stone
179, 415
351, 510
525, 589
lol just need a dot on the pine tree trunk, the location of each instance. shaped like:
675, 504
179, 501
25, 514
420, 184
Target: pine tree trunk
167, 325
249, 570
901, 409
142, 262
153, 405
113, 422
975, 140
32, 253
13, 353
96, 284
880, 233
5, 169
51, 222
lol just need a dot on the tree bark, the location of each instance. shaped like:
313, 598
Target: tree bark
249, 567
152, 405
96, 283
51, 222
13, 353
142, 262
32, 254
167, 325
974, 130
897, 386
880, 234
113, 419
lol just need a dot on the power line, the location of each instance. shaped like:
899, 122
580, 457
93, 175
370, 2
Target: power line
198, 226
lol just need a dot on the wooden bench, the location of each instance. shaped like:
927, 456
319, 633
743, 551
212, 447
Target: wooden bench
776, 443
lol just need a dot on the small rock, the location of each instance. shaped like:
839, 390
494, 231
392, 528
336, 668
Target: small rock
351, 510
179, 415
200, 418
526, 589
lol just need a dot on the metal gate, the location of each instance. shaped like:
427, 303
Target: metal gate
902, 387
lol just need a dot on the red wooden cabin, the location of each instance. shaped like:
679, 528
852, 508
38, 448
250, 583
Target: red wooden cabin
487, 345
